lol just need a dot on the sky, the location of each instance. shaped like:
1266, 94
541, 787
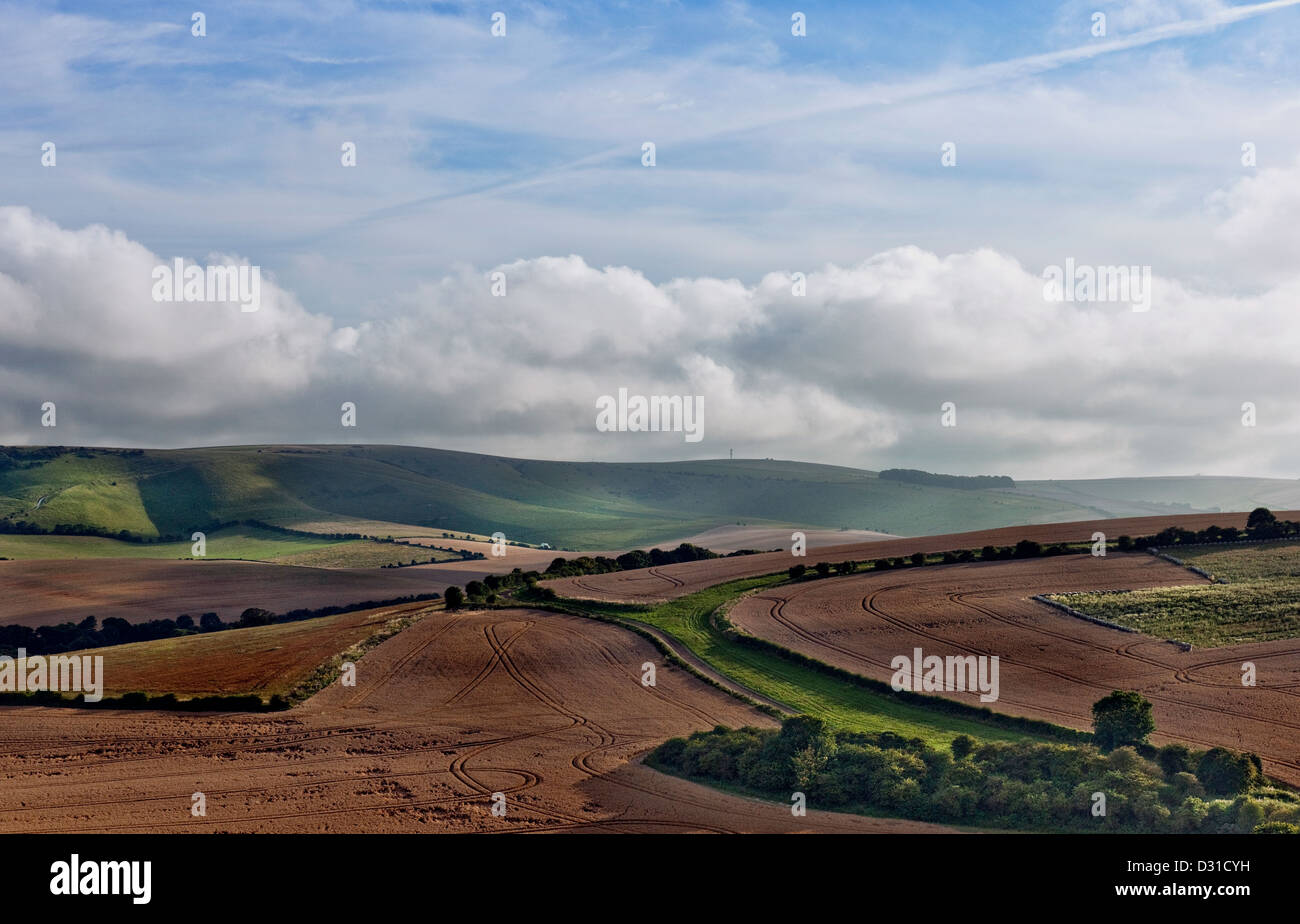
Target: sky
921, 165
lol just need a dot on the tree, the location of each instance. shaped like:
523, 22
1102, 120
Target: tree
1260, 516
1225, 773
988, 553
208, 622
454, 597
1028, 548
797, 571
918, 558
1261, 524
823, 568
256, 616
846, 567
1122, 718
962, 745
1174, 759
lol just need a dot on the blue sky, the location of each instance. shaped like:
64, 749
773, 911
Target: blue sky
775, 153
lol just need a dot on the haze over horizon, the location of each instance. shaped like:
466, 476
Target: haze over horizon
776, 154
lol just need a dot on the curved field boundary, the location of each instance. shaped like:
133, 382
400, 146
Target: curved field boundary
844, 698
667, 582
676, 653
1078, 614
1073, 668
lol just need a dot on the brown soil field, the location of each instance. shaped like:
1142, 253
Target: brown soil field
263, 659
1052, 665
648, 585
546, 709
734, 538
45, 592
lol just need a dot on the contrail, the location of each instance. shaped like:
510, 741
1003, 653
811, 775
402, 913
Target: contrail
953, 82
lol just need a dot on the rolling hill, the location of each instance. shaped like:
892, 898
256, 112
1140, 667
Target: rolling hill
580, 505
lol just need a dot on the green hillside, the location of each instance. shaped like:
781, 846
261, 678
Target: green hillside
581, 505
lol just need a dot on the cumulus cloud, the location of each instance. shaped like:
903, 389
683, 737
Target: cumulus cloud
854, 371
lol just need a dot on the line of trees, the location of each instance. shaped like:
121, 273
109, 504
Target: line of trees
637, 558
90, 633
1021, 785
962, 482
1261, 524
1025, 548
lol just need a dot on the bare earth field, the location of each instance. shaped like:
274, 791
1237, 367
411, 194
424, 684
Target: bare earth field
734, 538
547, 709
263, 659
41, 592
670, 581
1053, 666
37, 593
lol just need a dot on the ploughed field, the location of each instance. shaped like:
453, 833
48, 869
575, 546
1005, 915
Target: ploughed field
47, 591
545, 708
652, 585
1053, 666
43, 592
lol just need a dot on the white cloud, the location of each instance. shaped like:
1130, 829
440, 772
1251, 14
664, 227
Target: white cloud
853, 372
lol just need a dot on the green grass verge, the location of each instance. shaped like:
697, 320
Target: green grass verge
242, 542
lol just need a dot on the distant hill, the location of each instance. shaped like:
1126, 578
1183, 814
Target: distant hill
582, 505
966, 482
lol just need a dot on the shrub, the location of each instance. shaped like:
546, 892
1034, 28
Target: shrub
1174, 759
1277, 827
1122, 718
1225, 773
1027, 548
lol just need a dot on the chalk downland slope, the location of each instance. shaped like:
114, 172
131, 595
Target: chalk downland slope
394, 490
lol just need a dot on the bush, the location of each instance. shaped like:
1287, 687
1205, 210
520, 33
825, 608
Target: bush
1122, 718
1023, 785
1277, 827
918, 558
1174, 759
1225, 773
823, 568
797, 571
1027, 548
